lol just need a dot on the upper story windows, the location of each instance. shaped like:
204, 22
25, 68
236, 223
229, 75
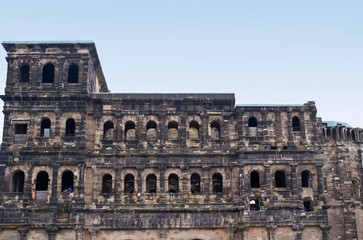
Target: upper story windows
151, 130
24, 74
296, 123
73, 72
252, 127
70, 127
48, 73
45, 127
215, 128
193, 130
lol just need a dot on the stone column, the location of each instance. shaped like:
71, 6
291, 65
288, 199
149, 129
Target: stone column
118, 185
161, 192
80, 233
139, 185
290, 130
294, 181
94, 233
268, 179
184, 182
319, 171
264, 126
241, 180
7, 137
2, 180
52, 231
204, 132
183, 131
54, 194
206, 183
81, 168
302, 126
82, 129
23, 232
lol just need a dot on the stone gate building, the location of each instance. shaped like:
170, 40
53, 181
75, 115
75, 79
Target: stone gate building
79, 162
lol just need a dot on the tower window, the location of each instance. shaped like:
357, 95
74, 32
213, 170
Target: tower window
151, 130
17, 182
252, 122
173, 130
151, 183
48, 73
173, 183
70, 127
129, 183
67, 181
24, 74
193, 130
108, 130
307, 206
215, 128
305, 179
45, 128
280, 181
130, 133
217, 183
255, 179
41, 183
107, 183
73, 74
21, 128
296, 123
195, 183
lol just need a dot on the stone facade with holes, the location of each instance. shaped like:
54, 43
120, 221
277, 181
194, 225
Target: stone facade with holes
79, 162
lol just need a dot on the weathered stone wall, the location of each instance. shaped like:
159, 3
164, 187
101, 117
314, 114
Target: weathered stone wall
165, 166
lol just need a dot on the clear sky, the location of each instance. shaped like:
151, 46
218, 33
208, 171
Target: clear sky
273, 52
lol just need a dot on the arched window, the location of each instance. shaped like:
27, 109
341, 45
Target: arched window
45, 127
193, 130
108, 130
17, 182
151, 183
48, 73
255, 205
130, 132
151, 130
173, 183
107, 183
295, 123
24, 74
252, 127
73, 74
173, 130
305, 179
252, 122
195, 183
280, 181
67, 181
215, 128
70, 127
129, 184
41, 183
217, 183
255, 179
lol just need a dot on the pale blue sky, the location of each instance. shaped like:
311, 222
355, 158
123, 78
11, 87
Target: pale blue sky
283, 52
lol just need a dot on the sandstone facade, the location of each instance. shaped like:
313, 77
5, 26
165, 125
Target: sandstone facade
79, 162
